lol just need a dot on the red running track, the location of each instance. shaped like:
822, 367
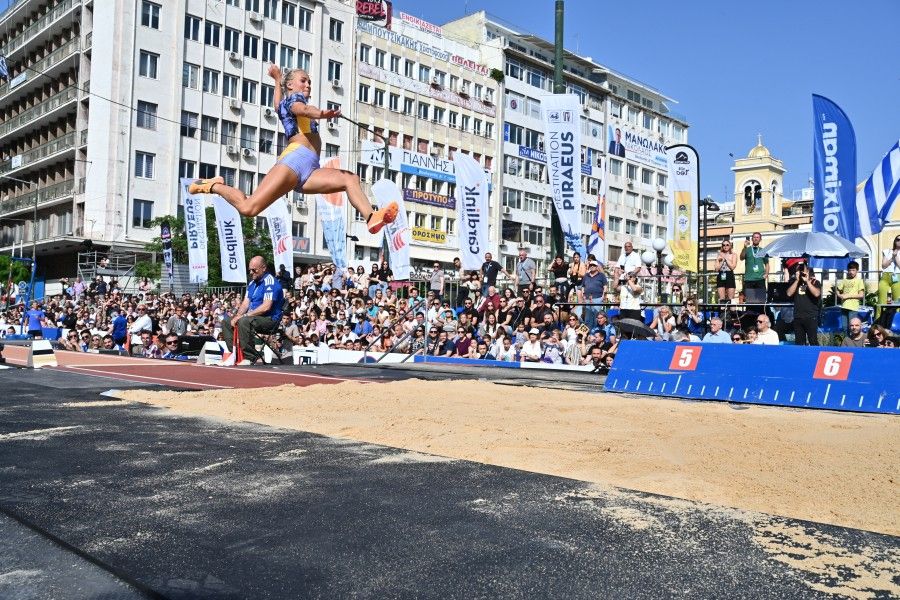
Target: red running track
188, 375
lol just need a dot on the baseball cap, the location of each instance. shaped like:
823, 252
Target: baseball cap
534, 330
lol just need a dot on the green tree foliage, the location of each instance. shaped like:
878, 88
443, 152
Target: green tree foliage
256, 242
20, 270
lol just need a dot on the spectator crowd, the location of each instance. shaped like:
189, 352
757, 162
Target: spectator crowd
567, 315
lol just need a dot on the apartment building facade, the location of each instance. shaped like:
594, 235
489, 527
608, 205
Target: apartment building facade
429, 97
109, 103
611, 102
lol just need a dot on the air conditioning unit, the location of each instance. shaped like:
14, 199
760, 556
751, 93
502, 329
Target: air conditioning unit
661, 189
300, 203
335, 83
247, 151
269, 113
464, 90
255, 17
629, 182
230, 149
436, 81
585, 108
507, 210
332, 124
488, 97
234, 56
234, 103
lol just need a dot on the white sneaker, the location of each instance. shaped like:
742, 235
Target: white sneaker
244, 363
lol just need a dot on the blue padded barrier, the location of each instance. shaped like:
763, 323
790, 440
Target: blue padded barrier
851, 379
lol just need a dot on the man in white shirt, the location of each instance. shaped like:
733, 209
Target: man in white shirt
142, 322
765, 334
630, 261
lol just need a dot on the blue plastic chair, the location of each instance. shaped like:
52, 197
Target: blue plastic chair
866, 315
612, 312
831, 320
895, 324
648, 316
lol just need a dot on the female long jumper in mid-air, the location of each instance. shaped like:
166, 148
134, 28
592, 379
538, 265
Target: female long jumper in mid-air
298, 166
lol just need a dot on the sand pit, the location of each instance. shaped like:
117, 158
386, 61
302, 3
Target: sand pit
830, 467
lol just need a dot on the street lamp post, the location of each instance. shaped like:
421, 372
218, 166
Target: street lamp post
656, 255
708, 204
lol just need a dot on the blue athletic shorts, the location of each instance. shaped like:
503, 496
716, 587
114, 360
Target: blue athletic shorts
301, 160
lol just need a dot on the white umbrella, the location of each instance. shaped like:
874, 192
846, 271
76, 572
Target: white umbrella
814, 245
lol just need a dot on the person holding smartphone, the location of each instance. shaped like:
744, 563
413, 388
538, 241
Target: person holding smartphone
807, 294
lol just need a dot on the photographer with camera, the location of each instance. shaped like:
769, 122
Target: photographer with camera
807, 294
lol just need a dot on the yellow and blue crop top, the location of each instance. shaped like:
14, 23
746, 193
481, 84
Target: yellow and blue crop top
292, 123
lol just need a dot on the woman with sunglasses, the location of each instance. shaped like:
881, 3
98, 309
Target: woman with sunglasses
878, 337
726, 261
890, 275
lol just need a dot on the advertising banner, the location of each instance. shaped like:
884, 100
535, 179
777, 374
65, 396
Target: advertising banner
433, 236
472, 210
429, 198
834, 175
627, 143
195, 232
597, 239
562, 143
165, 233
279, 219
684, 198
375, 10
231, 241
332, 215
397, 233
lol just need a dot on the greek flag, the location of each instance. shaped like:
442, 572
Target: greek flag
4, 69
875, 197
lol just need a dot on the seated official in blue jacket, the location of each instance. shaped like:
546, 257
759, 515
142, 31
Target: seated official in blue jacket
260, 311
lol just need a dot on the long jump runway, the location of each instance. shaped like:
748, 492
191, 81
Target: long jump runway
155, 505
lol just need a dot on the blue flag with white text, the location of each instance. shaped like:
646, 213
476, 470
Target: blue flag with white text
834, 169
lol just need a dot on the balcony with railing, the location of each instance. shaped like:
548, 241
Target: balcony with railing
34, 116
44, 195
36, 72
36, 155
41, 26
802, 210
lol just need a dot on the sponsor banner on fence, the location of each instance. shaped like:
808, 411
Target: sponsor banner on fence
644, 148
684, 195
231, 241
472, 210
195, 232
429, 198
333, 218
562, 141
433, 236
397, 233
279, 219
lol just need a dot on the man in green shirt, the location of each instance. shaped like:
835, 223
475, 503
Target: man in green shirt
756, 270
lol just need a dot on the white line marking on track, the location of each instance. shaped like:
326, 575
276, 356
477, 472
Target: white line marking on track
126, 376
36, 432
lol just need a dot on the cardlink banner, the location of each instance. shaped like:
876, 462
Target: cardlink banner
397, 233
231, 241
195, 232
472, 210
279, 219
333, 218
684, 195
597, 239
562, 144
165, 233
